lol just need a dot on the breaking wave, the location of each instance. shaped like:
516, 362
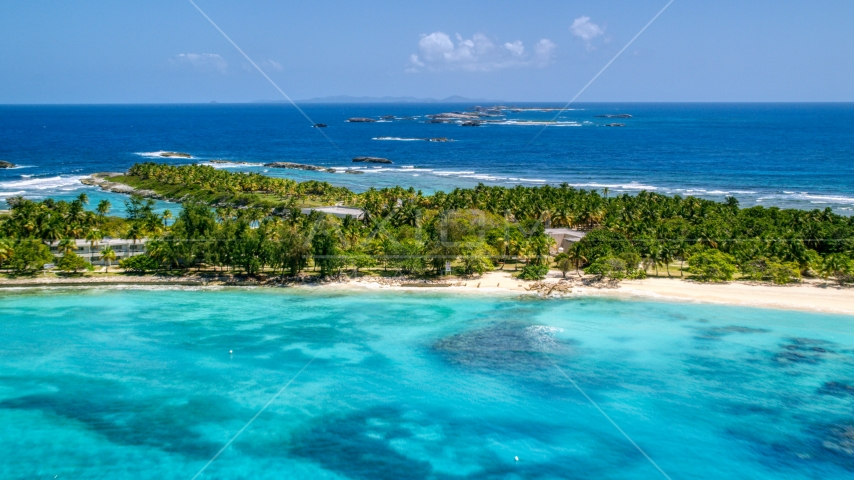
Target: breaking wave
48, 183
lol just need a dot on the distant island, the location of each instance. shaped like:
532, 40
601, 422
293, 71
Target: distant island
350, 99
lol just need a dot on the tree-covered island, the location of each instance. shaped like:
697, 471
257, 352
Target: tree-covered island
253, 224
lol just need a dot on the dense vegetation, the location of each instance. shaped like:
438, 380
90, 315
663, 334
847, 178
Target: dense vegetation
212, 186
256, 227
30, 225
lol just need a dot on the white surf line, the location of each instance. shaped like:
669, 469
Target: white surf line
604, 68
665, 475
288, 98
253, 418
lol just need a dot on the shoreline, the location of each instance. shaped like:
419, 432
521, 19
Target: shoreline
807, 296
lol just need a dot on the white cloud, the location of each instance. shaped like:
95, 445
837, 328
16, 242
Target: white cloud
437, 51
516, 47
543, 51
203, 62
586, 30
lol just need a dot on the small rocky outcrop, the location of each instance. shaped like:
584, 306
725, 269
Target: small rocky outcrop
454, 116
613, 115
102, 180
231, 162
435, 139
5, 164
437, 120
361, 120
299, 166
471, 123
175, 155
616, 125
314, 168
371, 160
319, 125
387, 117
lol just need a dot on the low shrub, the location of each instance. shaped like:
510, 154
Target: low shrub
712, 266
140, 264
534, 272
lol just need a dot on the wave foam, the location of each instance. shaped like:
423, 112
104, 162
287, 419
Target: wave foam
231, 165
541, 124
617, 186
484, 177
49, 183
810, 197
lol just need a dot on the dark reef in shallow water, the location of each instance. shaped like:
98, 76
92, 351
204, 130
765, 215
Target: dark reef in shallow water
803, 350
501, 346
716, 333
836, 389
366, 444
125, 418
839, 439
358, 446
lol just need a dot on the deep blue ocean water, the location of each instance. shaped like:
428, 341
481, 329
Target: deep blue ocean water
108, 383
788, 155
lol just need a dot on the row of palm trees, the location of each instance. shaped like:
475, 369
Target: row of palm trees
252, 240
648, 218
63, 223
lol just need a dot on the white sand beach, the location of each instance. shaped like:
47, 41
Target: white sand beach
809, 296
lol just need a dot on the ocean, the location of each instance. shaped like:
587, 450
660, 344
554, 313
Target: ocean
784, 155
138, 383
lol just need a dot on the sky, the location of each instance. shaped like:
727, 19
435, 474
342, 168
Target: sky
165, 51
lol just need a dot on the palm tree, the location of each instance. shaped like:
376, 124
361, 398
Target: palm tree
83, 199
653, 257
51, 232
666, 256
167, 215
576, 256
66, 245
103, 209
134, 234
834, 265
93, 236
108, 255
6, 251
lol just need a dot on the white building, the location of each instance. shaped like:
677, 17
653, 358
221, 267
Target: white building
337, 211
564, 237
123, 248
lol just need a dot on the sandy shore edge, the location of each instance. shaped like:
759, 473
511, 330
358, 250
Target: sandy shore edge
808, 296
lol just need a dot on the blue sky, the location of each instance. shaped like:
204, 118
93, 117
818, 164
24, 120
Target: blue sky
103, 51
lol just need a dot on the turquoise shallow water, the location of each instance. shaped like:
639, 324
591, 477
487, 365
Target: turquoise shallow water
140, 384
